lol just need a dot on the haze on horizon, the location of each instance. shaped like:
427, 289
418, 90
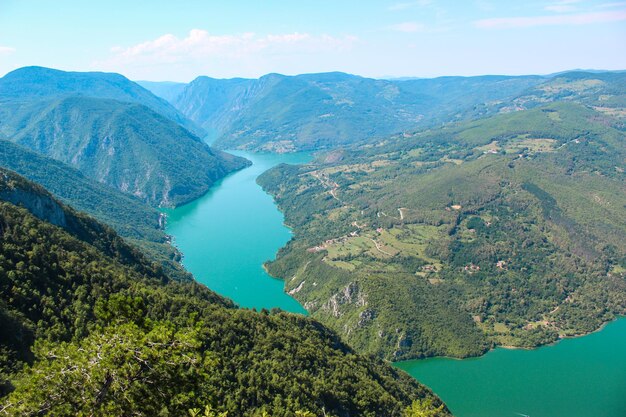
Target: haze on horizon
157, 40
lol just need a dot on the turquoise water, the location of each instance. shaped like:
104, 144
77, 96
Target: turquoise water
580, 377
227, 234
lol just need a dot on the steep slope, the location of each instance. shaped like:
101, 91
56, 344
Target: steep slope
127, 146
507, 230
116, 337
133, 220
36, 84
315, 111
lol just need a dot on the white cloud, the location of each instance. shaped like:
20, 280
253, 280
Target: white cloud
611, 5
6, 50
201, 44
246, 53
551, 20
409, 5
563, 6
408, 27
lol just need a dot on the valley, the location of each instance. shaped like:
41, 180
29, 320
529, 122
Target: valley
500, 228
584, 373
398, 208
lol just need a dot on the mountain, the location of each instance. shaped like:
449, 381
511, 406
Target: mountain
78, 119
128, 147
316, 111
604, 91
111, 334
167, 90
506, 230
133, 220
40, 84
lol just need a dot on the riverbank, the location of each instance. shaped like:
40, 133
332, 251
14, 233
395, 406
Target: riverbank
577, 377
227, 235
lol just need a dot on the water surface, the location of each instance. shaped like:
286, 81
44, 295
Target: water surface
227, 234
580, 377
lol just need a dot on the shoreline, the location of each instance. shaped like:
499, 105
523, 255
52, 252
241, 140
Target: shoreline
509, 347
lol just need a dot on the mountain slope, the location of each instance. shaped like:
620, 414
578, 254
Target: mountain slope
507, 230
315, 111
605, 92
115, 336
38, 84
111, 129
128, 147
133, 220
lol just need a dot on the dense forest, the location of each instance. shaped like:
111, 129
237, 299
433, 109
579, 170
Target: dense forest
136, 222
113, 131
507, 230
316, 111
90, 326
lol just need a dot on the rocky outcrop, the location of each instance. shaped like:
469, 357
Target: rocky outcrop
43, 206
350, 295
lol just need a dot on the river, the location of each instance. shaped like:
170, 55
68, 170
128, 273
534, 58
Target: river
227, 234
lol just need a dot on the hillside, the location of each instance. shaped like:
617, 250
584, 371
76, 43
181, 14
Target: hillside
506, 230
133, 220
112, 335
316, 111
38, 84
124, 145
604, 91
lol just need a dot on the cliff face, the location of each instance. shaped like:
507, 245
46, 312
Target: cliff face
40, 205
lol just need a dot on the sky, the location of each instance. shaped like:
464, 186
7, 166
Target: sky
179, 40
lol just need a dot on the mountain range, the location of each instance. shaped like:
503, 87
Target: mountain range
316, 111
113, 131
439, 216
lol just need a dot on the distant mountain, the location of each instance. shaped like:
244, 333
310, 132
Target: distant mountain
127, 146
601, 90
587, 70
316, 111
505, 230
85, 316
167, 90
112, 130
38, 83
133, 220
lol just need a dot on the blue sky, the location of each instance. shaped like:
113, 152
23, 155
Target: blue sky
179, 40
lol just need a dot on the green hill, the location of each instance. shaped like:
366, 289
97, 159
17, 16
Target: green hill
603, 91
127, 146
30, 84
111, 334
317, 111
133, 220
506, 230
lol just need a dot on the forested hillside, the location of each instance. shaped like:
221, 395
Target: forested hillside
506, 230
316, 111
29, 85
133, 220
111, 334
321, 111
113, 131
